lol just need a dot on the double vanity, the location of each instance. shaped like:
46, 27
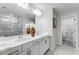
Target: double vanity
24, 45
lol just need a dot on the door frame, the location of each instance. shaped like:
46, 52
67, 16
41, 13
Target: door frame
74, 16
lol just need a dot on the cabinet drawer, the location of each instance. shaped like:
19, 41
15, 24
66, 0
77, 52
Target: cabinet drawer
27, 45
37, 41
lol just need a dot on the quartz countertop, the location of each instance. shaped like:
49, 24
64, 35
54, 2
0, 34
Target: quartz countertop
13, 41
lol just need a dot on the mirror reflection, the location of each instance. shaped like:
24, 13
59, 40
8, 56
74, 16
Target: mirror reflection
13, 17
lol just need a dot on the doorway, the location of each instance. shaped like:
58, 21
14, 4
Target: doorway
68, 29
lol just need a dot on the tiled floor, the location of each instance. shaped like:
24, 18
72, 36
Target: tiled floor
65, 49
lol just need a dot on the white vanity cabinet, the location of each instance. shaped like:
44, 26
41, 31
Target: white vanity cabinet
26, 49
26, 46
31, 48
41, 46
36, 47
44, 45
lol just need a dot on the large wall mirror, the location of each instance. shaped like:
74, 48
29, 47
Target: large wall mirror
12, 18
9, 26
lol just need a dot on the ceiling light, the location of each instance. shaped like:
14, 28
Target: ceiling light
37, 12
23, 5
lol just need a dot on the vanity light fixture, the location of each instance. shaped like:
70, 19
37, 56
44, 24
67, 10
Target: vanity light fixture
37, 12
23, 5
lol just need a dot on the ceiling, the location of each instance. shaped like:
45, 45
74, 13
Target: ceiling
60, 8
17, 11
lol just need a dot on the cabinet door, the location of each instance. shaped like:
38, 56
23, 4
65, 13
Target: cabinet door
35, 50
42, 48
47, 42
44, 45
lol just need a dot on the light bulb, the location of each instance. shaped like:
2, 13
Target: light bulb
37, 12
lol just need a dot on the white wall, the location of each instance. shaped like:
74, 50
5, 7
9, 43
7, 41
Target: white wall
59, 34
44, 24
57, 31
